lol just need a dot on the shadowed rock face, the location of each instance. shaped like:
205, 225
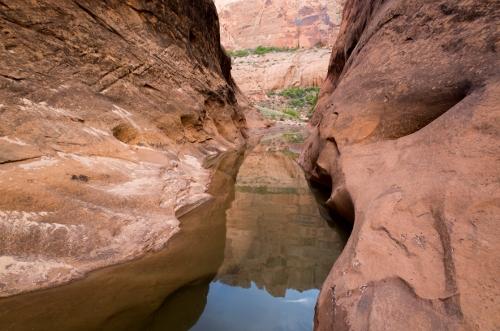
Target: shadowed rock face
406, 140
108, 111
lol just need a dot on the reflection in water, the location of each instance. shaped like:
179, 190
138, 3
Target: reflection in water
236, 308
126, 296
278, 251
275, 234
272, 251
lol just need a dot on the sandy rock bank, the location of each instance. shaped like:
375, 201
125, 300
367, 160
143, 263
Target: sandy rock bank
108, 112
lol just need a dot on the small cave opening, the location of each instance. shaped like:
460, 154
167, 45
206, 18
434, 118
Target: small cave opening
343, 217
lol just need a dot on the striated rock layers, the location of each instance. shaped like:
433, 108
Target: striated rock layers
256, 75
108, 111
283, 23
407, 140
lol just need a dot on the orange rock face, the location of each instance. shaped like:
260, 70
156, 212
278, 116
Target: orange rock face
280, 23
283, 23
255, 75
108, 110
407, 140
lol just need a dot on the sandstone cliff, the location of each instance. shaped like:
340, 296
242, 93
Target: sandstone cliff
279, 23
256, 75
284, 23
108, 111
406, 139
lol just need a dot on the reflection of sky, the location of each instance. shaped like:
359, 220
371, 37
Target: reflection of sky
232, 308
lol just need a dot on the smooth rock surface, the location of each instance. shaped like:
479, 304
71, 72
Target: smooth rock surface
108, 112
407, 141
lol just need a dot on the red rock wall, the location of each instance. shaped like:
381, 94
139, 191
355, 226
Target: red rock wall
406, 136
282, 23
107, 111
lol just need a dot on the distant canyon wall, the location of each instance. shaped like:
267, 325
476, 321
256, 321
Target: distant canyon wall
282, 23
257, 75
309, 24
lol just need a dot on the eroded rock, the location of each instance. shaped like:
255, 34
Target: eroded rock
305, 24
256, 75
407, 126
108, 111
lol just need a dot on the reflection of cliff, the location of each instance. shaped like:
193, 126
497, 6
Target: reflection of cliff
275, 235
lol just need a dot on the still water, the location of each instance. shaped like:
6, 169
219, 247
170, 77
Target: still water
254, 258
278, 249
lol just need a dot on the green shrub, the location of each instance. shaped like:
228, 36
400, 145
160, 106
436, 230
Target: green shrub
276, 115
260, 50
293, 137
239, 53
300, 97
291, 112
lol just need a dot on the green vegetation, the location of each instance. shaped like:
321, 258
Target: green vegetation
239, 53
301, 97
260, 50
275, 114
294, 103
292, 112
293, 137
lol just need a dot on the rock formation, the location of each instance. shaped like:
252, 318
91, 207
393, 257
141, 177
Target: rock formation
108, 111
280, 23
256, 75
283, 23
406, 139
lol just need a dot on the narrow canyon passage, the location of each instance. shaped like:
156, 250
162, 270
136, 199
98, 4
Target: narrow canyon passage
278, 251
262, 237
155, 158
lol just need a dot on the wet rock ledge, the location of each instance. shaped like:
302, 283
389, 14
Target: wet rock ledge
108, 112
407, 143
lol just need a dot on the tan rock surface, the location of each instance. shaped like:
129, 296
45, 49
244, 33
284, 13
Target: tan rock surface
407, 140
256, 75
108, 111
284, 23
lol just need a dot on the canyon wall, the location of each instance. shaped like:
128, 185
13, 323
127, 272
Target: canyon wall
258, 74
305, 24
108, 111
406, 138
282, 23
